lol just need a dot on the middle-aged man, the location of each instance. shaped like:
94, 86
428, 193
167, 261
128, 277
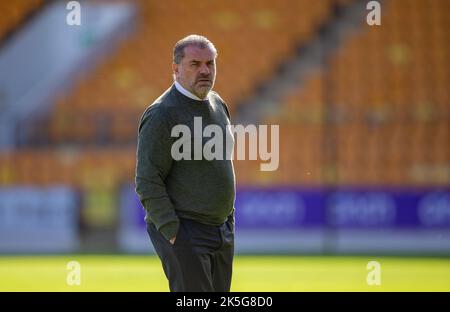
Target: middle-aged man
189, 203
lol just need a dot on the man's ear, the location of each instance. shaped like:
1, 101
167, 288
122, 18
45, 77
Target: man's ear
175, 69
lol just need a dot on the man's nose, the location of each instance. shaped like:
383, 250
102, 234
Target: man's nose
204, 69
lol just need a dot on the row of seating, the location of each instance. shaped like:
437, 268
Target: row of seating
306, 157
83, 169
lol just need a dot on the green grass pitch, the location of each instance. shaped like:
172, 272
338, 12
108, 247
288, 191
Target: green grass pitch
251, 273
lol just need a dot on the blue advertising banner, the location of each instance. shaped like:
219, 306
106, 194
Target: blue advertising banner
280, 208
280, 219
291, 208
358, 208
38, 219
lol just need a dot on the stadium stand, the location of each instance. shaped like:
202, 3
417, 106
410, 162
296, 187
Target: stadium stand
382, 105
377, 114
124, 85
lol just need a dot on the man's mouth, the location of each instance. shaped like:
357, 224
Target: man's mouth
204, 82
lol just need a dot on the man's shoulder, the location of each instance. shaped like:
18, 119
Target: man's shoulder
156, 110
217, 98
167, 98
161, 106
214, 95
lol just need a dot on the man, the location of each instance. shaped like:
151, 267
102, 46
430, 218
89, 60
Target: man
189, 203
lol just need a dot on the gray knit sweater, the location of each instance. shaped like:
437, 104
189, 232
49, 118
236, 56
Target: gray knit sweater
201, 190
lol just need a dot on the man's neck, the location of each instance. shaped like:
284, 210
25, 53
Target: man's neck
187, 93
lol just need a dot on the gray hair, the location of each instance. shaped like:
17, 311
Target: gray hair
191, 40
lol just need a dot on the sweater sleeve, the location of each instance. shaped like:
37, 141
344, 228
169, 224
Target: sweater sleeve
154, 162
231, 217
224, 105
227, 111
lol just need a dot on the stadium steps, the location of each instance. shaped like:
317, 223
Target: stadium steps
310, 56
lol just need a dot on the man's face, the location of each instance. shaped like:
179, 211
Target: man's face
197, 70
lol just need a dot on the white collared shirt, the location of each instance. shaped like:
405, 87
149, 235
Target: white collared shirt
187, 93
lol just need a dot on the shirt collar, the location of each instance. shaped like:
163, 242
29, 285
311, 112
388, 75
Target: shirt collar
186, 92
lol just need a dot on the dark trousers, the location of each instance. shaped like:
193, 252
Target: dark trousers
201, 258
